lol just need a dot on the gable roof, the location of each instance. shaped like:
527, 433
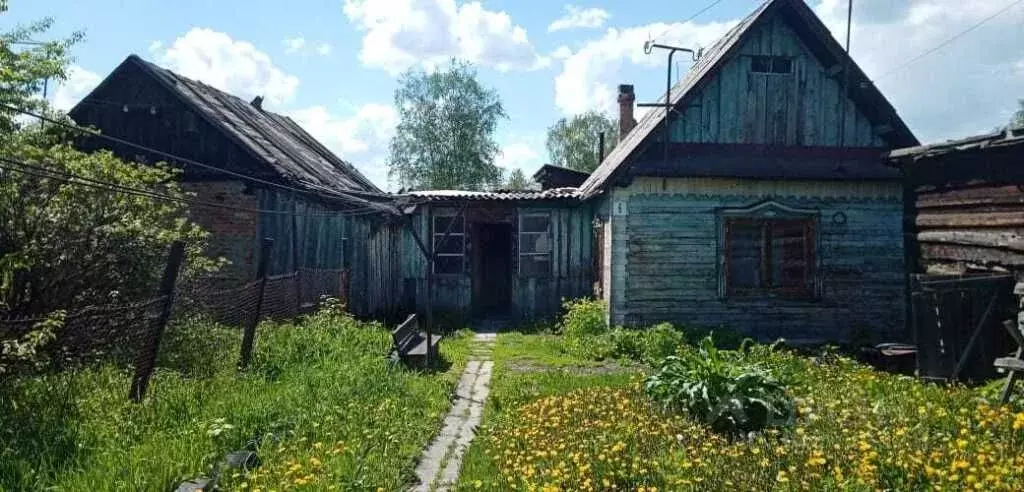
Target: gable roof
275, 140
552, 176
819, 41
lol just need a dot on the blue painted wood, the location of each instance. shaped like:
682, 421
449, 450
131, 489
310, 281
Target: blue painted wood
801, 108
670, 247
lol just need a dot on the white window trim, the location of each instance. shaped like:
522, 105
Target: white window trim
451, 235
525, 215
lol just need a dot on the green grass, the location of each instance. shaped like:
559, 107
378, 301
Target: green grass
568, 426
320, 405
528, 367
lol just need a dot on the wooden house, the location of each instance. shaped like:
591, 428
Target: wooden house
317, 216
510, 255
967, 195
966, 221
763, 202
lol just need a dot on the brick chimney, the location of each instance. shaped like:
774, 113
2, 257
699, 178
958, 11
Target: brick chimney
626, 100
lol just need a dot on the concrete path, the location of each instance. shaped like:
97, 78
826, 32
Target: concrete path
439, 467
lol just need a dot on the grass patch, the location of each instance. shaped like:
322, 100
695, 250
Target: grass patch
856, 429
320, 405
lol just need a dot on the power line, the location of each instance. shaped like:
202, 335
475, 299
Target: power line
690, 18
76, 179
325, 194
948, 41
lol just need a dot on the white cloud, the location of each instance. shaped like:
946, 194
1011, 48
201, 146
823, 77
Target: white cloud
403, 33
520, 153
78, 84
233, 66
155, 46
578, 17
294, 45
299, 45
967, 87
561, 53
361, 138
588, 77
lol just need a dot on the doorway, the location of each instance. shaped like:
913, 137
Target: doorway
492, 269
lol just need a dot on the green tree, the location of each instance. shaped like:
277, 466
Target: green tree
70, 236
572, 143
26, 63
445, 134
518, 181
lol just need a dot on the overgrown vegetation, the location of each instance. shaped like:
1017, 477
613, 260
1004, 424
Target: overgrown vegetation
587, 335
729, 395
321, 406
580, 426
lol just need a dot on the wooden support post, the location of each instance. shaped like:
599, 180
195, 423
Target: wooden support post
146, 360
249, 335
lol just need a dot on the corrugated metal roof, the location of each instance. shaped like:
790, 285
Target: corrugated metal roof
712, 59
501, 195
274, 139
995, 140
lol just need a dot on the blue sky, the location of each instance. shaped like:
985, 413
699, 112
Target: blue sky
332, 65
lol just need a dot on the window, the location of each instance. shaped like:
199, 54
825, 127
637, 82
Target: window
535, 245
773, 256
450, 251
771, 64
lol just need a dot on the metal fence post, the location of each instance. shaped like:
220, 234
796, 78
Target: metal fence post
249, 335
146, 360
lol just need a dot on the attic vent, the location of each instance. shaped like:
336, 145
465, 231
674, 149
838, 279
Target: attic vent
771, 64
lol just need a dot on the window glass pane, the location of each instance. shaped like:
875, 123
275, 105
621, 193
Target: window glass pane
448, 264
534, 265
441, 224
534, 243
535, 223
744, 255
760, 64
782, 64
790, 255
451, 244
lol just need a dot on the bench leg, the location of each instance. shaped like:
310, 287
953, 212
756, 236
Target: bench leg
1011, 379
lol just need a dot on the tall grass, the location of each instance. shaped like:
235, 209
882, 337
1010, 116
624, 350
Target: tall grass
319, 393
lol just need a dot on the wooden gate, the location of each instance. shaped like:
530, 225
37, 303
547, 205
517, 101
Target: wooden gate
957, 324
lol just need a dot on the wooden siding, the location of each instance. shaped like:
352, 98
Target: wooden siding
672, 252
801, 108
532, 298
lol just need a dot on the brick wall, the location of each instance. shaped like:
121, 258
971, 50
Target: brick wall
232, 232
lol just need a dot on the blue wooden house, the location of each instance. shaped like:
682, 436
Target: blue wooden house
766, 206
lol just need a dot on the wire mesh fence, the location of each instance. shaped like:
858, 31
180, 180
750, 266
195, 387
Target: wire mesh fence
130, 334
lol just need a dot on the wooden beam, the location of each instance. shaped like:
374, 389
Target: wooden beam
1013, 241
993, 219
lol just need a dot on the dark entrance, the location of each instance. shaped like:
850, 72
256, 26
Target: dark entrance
492, 269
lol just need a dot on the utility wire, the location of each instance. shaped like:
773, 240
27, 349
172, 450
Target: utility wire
690, 18
948, 41
324, 194
71, 178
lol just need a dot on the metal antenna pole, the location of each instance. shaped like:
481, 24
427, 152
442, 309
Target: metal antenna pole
648, 48
846, 75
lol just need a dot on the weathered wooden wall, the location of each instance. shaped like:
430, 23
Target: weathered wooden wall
666, 258
533, 298
801, 108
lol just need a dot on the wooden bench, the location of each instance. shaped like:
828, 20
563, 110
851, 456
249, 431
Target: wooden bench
1013, 365
409, 344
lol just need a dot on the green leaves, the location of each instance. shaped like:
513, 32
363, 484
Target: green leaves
721, 390
445, 134
573, 143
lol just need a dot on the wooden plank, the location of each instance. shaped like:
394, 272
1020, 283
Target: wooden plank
1011, 240
1010, 363
995, 219
973, 254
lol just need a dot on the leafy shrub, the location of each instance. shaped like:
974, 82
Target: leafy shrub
662, 340
724, 337
728, 395
583, 317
